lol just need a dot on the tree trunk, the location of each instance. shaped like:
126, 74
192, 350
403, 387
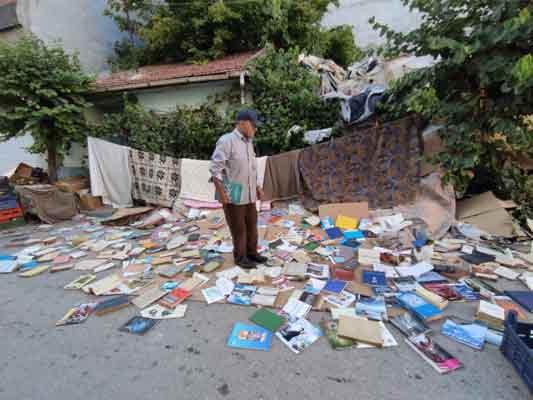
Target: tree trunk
52, 159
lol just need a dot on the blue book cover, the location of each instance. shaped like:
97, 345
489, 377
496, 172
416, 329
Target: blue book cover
419, 306
334, 286
334, 233
244, 336
374, 278
472, 335
522, 297
354, 235
374, 309
29, 265
242, 294
326, 223
430, 277
466, 292
4, 257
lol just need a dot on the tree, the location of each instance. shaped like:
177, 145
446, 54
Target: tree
42, 92
200, 30
481, 88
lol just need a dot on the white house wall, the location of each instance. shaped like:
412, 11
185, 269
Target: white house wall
191, 95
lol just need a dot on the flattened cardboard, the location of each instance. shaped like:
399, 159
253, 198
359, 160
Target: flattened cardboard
353, 210
360, 330
487, 213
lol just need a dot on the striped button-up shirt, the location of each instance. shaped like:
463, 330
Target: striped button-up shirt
234, 159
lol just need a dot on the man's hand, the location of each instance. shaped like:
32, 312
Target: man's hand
260, 193
222, 195
224, 199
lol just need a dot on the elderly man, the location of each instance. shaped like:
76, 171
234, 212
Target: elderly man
234, 173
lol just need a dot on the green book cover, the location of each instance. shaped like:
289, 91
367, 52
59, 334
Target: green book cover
267, 319
233, 190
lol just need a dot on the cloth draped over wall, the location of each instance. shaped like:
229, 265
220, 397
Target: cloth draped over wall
110, 172
380, 165
195, 183
282, 176
156, 178
49, 203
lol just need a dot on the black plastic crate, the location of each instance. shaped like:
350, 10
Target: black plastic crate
517, 347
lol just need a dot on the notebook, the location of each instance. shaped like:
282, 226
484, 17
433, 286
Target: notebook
267, 319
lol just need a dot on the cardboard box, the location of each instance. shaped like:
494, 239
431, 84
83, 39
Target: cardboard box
73, 184
89, 202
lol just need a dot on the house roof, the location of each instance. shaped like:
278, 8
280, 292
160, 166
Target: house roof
172, 74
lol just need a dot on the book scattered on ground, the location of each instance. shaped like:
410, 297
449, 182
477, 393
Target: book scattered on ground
317, 271
80, 282
175, 297
368, 256
77, 315
138, 325
472, 335
490, 314
522, 297
244, 336
267, 319
329, 327
409, 325
296, 309
435, 355
334, 286
212, 294
361, 330
405, 284
34, 271
112, 304
431, 297
372, 308
508, 304
242, 294
374, 278
421, 308
299, 334
342, 300
151, 295
8, 266
157, 311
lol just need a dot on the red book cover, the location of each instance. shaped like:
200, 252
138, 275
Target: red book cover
344, 275
175, 297
444, 291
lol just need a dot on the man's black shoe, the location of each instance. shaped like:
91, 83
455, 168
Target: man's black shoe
245, 263
258, 258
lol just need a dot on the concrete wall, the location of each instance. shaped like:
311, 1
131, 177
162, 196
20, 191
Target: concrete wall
79, 24
357, 12
191, 95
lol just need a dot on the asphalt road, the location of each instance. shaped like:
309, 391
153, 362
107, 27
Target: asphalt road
188, 358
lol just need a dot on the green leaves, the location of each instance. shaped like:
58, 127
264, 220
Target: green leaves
195, 31
482, 88
42, 93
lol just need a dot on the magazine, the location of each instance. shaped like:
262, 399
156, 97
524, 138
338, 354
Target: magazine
409, 325
472, 335
440, 359
242, 294
373, 308
299, 334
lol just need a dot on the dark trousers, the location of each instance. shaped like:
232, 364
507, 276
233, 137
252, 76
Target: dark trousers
242, 222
